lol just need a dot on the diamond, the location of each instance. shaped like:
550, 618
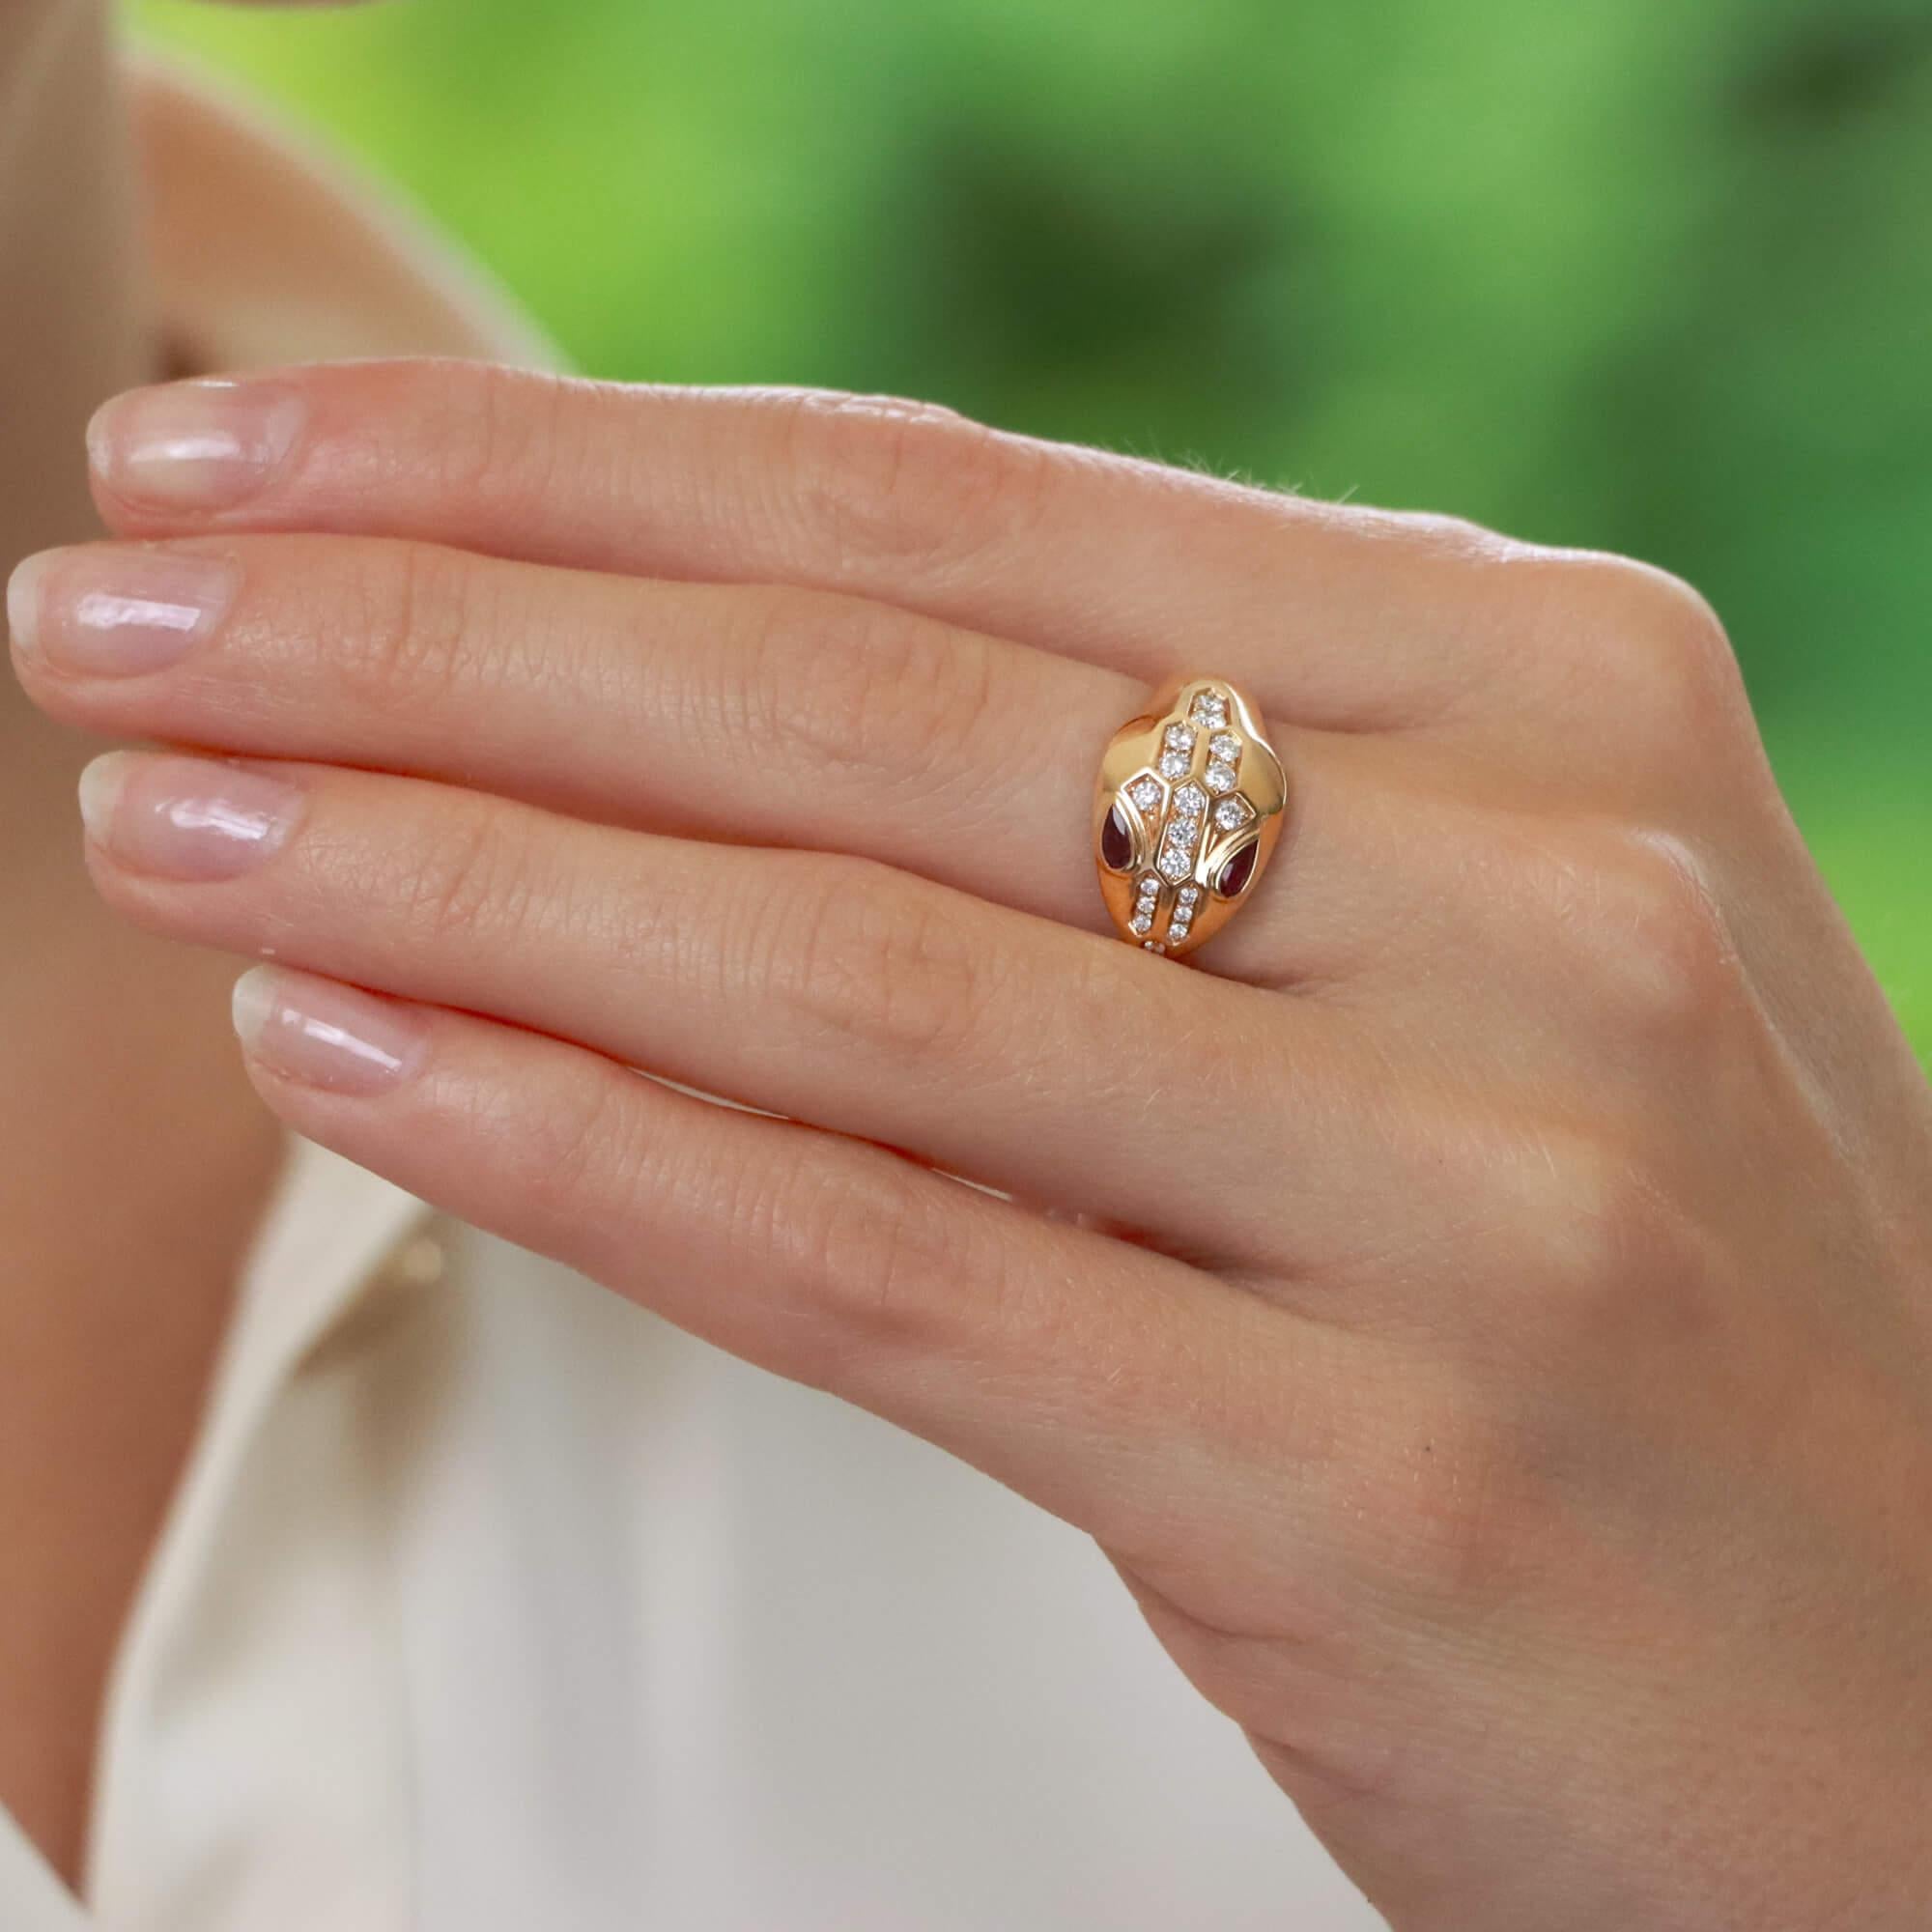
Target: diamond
1211, 710
1145, 793
1189, 894
1142, 922
1220, 778
1180, 738
1154, 946
1191, 802
1226, 746
1176, 864
1231, 813
1174, 764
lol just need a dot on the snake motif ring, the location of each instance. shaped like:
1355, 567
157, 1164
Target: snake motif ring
1185, 816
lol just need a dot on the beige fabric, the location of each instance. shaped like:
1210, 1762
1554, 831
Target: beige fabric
488, 1601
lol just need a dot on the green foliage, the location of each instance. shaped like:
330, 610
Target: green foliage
1644, 276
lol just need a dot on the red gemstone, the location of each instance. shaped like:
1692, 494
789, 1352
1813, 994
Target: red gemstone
1117, 842
1239, 870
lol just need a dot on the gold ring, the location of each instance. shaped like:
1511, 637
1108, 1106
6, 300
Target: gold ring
1186, 815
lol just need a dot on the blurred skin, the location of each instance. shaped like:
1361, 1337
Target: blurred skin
1511, 1400
133, 1155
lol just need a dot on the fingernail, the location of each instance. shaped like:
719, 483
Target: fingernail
193, 445
326, 1035
116, 612
184, 819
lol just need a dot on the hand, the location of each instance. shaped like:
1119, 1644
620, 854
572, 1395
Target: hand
1495, 1341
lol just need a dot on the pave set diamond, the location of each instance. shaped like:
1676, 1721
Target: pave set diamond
1191, 804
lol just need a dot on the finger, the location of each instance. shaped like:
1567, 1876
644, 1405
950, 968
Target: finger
1107, 1383
756, 714
1332, 616
1011, 1049
815, 720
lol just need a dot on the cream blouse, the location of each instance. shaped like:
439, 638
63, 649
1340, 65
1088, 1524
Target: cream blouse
490, 1604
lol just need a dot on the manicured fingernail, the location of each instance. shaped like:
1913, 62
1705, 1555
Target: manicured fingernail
193, 445
325, 1034
116, 612
184, 819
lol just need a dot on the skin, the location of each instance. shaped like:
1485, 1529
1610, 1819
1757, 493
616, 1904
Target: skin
1486, 1312
135, 1160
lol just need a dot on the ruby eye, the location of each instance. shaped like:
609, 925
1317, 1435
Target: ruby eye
1117, 842
1238, 872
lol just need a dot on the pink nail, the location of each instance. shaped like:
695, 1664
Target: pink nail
195, 445
186, 818
324, 1034
116, 612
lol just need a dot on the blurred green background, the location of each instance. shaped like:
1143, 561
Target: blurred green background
1643, 276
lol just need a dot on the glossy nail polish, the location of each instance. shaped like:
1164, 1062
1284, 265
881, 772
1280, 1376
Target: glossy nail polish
194, 446
325, 1034
116, 611
186, 818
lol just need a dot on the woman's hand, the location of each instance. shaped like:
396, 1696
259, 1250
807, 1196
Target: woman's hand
1488, 1321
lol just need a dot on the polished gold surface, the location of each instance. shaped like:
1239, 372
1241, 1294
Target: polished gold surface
1195, 795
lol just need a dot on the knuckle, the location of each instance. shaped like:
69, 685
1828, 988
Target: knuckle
1666, 963
878, 964
502, 435
1604, 1256
408, 619
582, 1155
871, 695
1681, 678
1432, 539
472, 880
868, 1262
1604, 1231
906, 486
1677, 618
